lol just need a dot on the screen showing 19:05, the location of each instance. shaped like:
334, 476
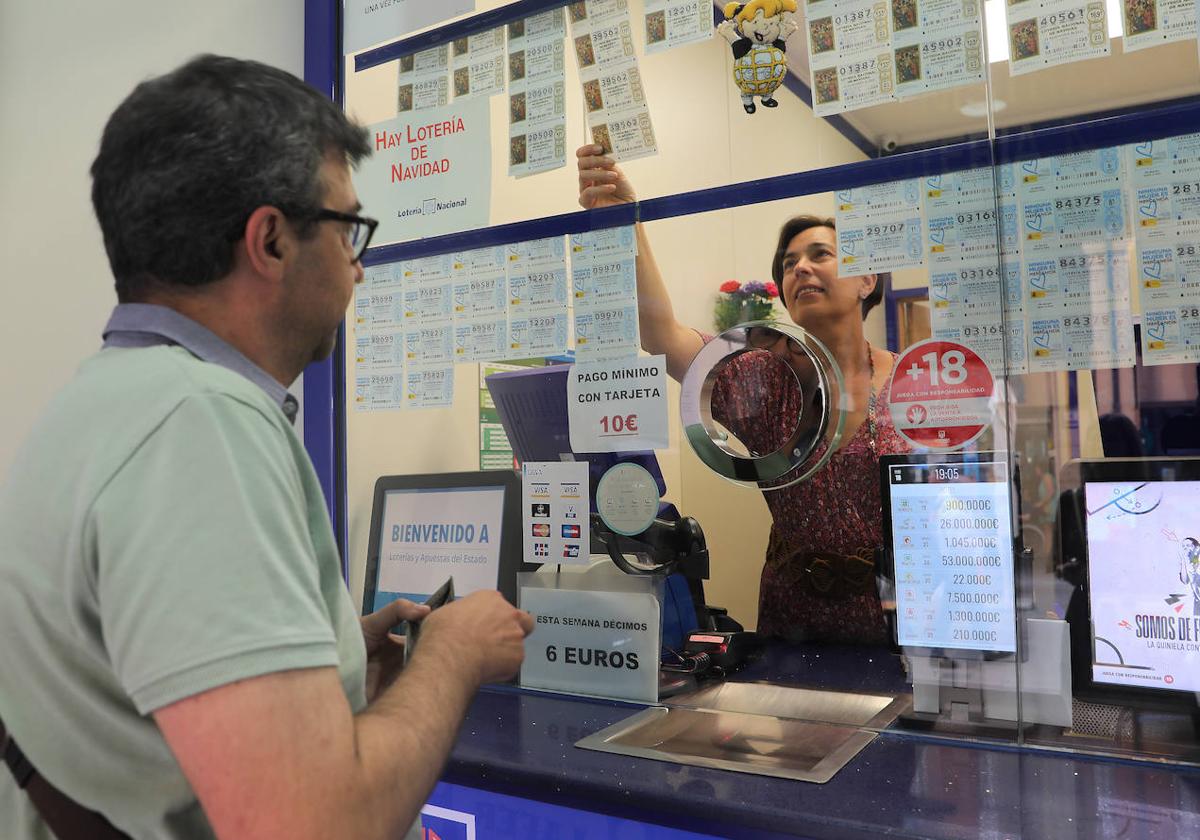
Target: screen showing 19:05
953, 549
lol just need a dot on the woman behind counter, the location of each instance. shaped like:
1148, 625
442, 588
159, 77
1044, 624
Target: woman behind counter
818, 581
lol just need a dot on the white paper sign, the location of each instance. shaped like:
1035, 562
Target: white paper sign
430, 172
370, 22
555, 505
604, 644
618, 406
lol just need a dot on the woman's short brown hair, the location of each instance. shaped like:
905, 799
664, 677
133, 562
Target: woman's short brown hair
797, 225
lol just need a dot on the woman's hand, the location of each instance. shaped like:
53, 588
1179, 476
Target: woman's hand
601, 181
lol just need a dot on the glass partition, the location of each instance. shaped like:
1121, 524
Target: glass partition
1008, 290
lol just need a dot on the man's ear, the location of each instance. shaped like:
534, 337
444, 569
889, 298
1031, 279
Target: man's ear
266, 240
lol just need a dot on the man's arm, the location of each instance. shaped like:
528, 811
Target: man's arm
602, 184
283, 756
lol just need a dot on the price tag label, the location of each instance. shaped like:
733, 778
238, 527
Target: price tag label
618, 406
941, 395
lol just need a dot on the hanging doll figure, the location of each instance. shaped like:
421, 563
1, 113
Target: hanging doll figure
757, 31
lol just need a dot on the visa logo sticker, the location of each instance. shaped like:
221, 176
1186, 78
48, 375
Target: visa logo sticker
439, 823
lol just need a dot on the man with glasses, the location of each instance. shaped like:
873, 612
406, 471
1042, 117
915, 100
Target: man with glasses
180, 654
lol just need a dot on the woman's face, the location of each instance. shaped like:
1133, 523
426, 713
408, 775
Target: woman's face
811, 287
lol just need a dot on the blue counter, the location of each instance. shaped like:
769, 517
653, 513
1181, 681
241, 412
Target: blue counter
518, 747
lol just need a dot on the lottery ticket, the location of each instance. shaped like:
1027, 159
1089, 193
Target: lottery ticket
935, 56
481, 340
1149, 23
536, 252
538, 61
544, 26
1001, 344
541, 334
1080, 342
624, 136
1046, 33
604, 282
435, 269
483, 296
429, 386
429, 303
966, 292
429, 344
1158, 161
378, 309
537, 288
1171, 336
482, 43
376, 351
607, 333
602, 42
424, 80
596, 10
673, 23
850, 54
604, 244
612, 89
1169, 275
536, 103
537, 148
1070, 281
851, 85
481, 76
478, 262
381, 391
1067, 217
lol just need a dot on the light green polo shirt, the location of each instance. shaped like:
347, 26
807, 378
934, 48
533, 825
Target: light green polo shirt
162, 532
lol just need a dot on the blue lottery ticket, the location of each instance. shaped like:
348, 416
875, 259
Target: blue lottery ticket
379, 391
481, 340
606, 244
604, 282
552, 249
538, 287
1169, 275
852, 255
428, 303
606, 334
1152, 161
542, 334
893, 242
970, 292
480, 296
1171, 336
1080, 169
1089, 216
429, 344
479, 262
377, 276
380, 311
1071, 281
377, 351
429, 387
435, 269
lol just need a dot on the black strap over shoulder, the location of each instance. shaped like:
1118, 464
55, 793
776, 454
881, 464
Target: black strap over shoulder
66, 818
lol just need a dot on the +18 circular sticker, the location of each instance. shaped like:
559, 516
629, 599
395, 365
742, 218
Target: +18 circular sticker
627, 499
941, 394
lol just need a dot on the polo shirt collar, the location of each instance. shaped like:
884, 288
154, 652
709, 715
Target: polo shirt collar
150, 325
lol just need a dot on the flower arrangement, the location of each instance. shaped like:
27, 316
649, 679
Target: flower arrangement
738, 303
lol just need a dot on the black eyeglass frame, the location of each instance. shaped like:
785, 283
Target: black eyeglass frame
327, 215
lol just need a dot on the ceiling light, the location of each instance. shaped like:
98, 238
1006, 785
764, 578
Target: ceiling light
979, 108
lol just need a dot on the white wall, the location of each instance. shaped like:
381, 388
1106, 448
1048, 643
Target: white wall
64, 66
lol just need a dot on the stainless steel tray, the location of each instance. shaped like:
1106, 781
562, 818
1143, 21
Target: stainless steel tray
769, 730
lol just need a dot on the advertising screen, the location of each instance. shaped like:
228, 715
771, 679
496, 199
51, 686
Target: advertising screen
952, 542
428, 534
1143, 545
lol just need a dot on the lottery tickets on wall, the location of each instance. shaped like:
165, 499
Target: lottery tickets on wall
615, 99
879, 228
604, 293
424, 80
1164, 183
478, 64
865, 52
378, 340
1151, 23
537, 298
537, 125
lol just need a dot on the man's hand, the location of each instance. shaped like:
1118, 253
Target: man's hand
482, 631
385, 652
601, 181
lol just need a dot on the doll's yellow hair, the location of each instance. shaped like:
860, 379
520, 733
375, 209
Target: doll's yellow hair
769, 8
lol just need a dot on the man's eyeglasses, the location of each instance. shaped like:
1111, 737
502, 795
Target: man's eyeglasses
761, 338
359, 229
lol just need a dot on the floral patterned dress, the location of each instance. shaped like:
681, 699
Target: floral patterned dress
836, 511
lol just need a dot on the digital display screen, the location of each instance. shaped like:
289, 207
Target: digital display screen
1143, 545
428, 534
953, 548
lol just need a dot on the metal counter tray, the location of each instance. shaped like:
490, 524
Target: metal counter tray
769, 730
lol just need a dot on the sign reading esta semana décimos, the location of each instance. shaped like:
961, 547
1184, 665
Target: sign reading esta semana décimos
430, 172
